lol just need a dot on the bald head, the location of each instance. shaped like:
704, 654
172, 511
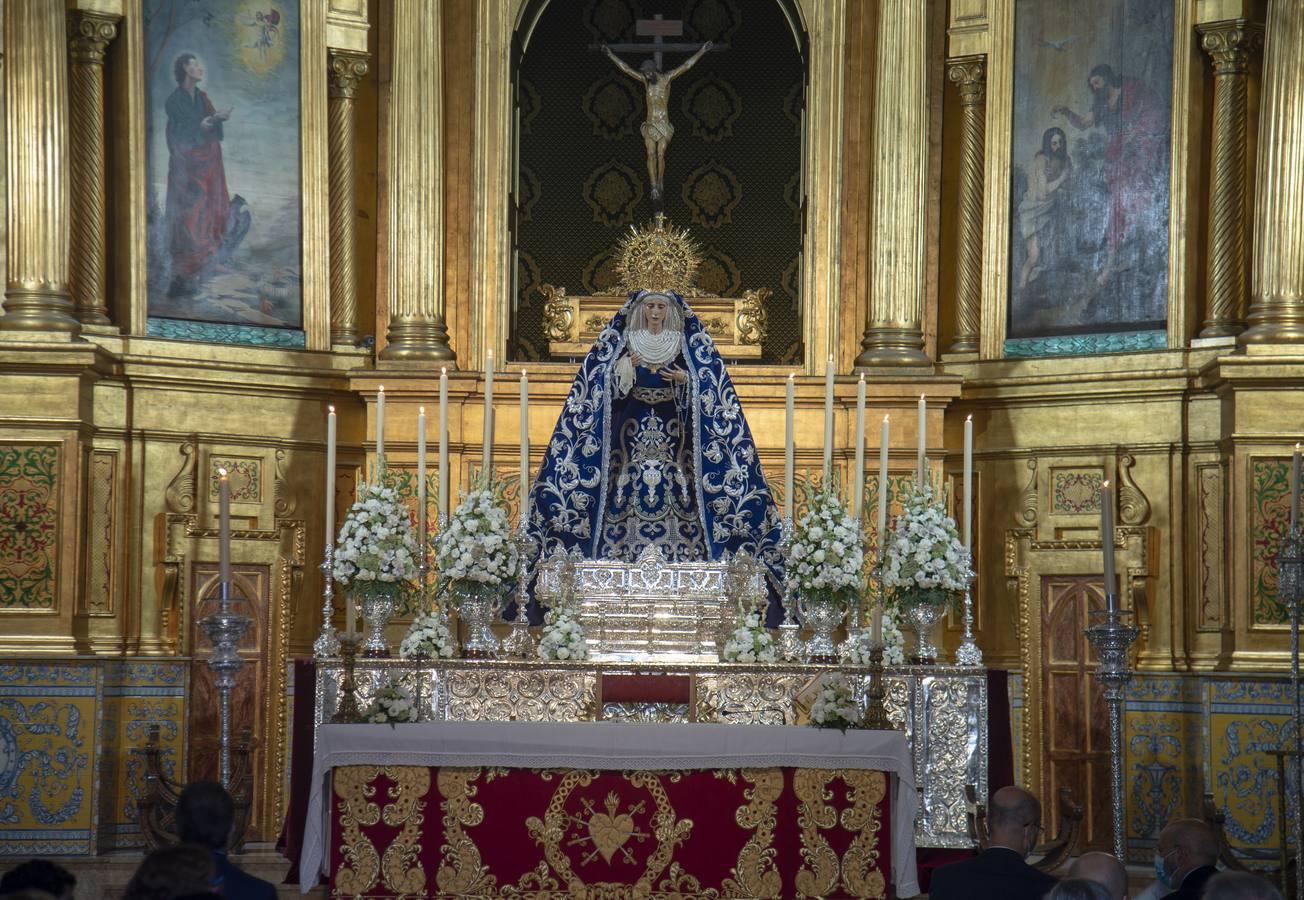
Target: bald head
1185, 845
1239, 886
1104, 869
1014, 819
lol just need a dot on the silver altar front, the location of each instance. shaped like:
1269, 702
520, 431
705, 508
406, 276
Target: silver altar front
942, 709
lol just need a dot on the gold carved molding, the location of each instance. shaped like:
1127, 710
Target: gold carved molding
346, 69
969, 74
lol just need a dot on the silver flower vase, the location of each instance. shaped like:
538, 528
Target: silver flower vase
378, 606
823, 617
477, 605
921, 614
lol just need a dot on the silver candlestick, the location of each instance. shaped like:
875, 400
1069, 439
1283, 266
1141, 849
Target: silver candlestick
224, 629
1112, 638
968, 654
1290, 590
519, 644
327, 644
790, 645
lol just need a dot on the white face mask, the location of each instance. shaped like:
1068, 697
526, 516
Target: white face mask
1161, 871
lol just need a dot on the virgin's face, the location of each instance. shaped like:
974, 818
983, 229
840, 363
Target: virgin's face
654, 312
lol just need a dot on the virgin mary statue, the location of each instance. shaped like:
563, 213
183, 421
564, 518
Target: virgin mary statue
652, 449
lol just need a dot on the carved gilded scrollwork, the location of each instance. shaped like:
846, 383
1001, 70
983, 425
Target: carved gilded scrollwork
1133, 507
180, 493
355, 793
753, 322
1027, 512
530, 695
284, 502
558, 314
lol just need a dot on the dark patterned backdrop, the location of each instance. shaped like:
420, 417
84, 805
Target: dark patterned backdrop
732, 169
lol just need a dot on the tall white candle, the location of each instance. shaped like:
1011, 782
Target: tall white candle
443, 442
224, 526
525, 448
330, 478
1294, 488
858, 489
828, 421
923, 441
421, 479
1107, 543
788, 450
884, 438
487, 456
968, 483
380, 431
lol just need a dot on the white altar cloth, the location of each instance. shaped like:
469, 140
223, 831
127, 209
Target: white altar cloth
614, 746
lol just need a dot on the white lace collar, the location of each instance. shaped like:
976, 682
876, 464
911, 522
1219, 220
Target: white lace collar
656, 350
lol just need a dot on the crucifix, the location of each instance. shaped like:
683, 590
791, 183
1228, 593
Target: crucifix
657, 130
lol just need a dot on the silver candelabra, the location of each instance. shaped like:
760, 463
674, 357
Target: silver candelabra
519, 644
1290, 589
327, 644
224, 629
1112, 637
968, 654
789, 630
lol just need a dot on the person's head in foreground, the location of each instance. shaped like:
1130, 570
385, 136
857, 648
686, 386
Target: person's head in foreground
1078, 889
170, 873
1239, 886
205, 814
39, 875
1014, 820
1104, 869
1184, 846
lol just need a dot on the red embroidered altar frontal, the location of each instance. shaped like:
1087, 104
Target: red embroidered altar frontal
414, 831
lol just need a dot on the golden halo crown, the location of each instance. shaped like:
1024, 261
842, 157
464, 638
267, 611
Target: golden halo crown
658, 257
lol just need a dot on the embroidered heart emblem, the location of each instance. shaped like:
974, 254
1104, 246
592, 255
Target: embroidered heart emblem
609, 833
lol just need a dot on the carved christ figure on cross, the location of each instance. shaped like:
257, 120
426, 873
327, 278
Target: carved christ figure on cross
657, 130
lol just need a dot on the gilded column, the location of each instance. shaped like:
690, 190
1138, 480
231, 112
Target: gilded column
417, 326
1230, 45
969, 73
36, 132
346, 69
89, 35
894, 334
1277, 304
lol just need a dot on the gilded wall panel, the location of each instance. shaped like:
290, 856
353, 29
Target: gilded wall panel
49, 738
1211, 547
102, 548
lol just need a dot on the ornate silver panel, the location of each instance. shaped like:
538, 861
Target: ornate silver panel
942, 709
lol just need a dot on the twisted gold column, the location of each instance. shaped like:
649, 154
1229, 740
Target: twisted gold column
346, 69
1277, 307
89, 35
1230, 45
969, 73
36, 132
894, 334
417, 327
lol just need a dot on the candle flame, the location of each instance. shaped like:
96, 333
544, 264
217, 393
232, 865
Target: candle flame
791, 376
382, 389
421, 410
523, 374
1297, 446
331, 409
221, 473
969, 418
885, 418
443, 370
862, 377
921, 396
1105, 484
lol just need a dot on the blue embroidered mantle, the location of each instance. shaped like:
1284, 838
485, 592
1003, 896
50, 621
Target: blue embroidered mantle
702, 451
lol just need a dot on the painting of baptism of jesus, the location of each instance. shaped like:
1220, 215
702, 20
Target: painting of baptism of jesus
1089, 198
222, 135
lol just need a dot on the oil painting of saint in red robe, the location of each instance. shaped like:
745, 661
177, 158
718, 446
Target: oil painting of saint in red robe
198, 203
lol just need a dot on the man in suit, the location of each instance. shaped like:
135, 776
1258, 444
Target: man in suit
1186, 858
205, 816
999, 872
1104, 869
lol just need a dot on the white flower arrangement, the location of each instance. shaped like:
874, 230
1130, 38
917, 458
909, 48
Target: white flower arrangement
428, 636
856, 649
563, 636
750, 642
392, 704
828, 555
924, 561
835, 705
376, 549
476, 544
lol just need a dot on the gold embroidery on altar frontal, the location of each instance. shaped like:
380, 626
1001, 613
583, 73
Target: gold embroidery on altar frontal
856, 870
461, 870
754, 874
404, 872
355, 788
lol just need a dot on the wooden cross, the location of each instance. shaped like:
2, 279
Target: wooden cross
659, 28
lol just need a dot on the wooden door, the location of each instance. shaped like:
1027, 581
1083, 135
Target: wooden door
1075, 720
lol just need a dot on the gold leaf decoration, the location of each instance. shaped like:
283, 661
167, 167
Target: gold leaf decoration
658, 257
